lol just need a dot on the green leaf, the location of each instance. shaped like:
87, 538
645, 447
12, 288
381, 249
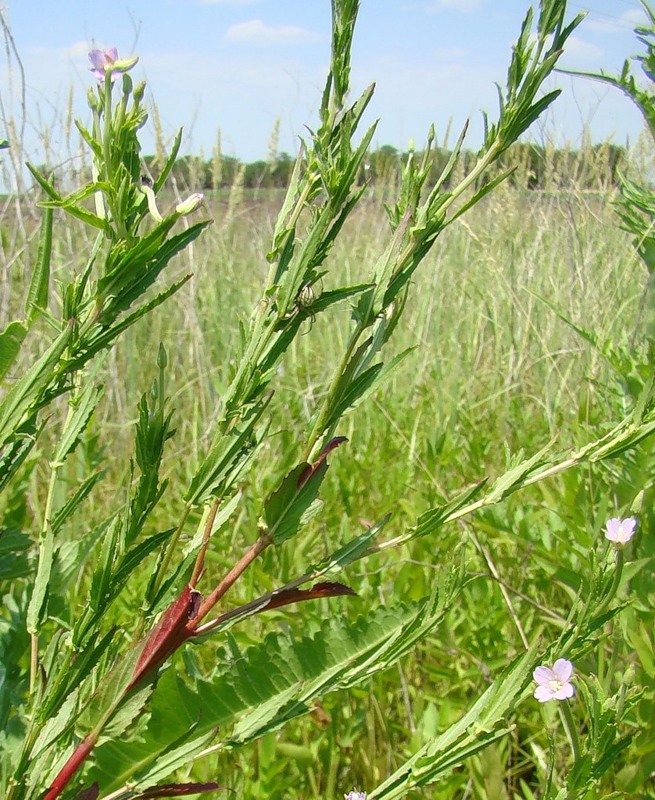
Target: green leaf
53, 729
488, 187
134, 557
351, 551
81, 407
27, 390
37, 295
111, 695
224, 513
275, 681
139, 268
482, 725
365, 384
76, 211
66, 680
106, 336
11, 340
38, 601
227, 456
170, 162
70, 506
287, 508
14, 562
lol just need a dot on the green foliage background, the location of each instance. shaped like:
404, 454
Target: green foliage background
530, 320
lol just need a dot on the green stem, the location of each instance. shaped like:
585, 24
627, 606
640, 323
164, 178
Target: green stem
168, 553
570, 728
106, 152
319, 425
55, 468
618, 572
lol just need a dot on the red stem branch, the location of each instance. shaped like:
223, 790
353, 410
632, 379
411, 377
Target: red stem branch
71, 766
232, 576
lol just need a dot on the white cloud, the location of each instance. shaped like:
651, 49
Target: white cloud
257, 32
457, 5
78, 49
626, 22
581, 52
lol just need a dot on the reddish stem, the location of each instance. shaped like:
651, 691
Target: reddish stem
71, 766
232, 576
178, 623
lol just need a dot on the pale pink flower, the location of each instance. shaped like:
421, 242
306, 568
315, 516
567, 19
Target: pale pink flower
102, 60
620, 531
554, 683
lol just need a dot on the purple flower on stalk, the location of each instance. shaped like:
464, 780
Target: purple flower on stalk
103, 60
355, 795
620, 531
554, 683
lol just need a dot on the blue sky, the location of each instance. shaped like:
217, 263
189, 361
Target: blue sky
238, 65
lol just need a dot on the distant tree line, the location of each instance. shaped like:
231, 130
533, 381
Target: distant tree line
535, 167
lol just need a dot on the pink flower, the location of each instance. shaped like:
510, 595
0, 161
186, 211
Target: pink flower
103, 60
620, 531
554, 683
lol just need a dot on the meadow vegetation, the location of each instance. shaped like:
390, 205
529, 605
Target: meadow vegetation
523, 338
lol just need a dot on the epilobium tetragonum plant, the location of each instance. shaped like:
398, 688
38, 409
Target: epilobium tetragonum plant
92, 704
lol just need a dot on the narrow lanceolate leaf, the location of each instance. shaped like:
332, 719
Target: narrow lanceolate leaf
365, 384
37, 296
292, 596
14, 547
482, 725
178, 790
71, 505
274, 682
27, 390
286, 508
106, 336
82, 407
11, 340
38, 600
227, 456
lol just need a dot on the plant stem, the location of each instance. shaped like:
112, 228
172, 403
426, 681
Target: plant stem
71, 766
232, 576
168, 553
569, 727
319, 425
200, 560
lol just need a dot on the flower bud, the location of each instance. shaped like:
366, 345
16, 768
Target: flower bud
146, 188
93, 100
191, 204
139, 91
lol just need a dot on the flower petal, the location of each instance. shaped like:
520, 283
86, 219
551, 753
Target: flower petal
612, 528
543, 693
98, 59
563, 670
565, 692
543, 675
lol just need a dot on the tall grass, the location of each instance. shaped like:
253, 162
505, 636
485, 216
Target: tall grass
499, 316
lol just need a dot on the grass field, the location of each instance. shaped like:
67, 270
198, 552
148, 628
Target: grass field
460, 542
493, 367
